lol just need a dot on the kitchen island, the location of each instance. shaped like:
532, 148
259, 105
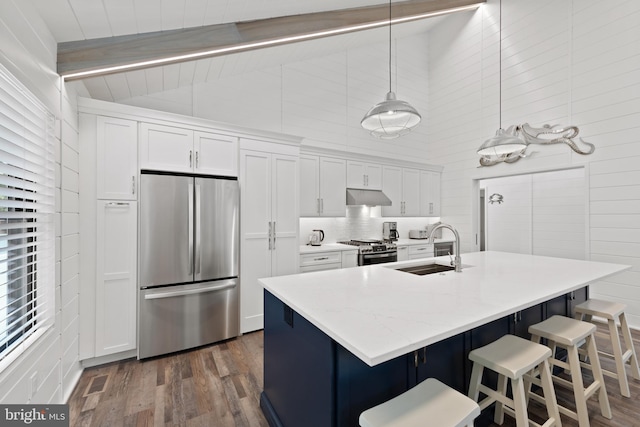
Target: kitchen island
338, 342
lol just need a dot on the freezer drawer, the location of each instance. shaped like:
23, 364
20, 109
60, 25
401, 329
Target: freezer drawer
175, 318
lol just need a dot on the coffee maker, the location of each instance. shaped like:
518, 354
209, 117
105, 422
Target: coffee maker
390, 231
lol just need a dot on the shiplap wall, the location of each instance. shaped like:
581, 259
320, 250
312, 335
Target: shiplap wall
28, 50
563, 62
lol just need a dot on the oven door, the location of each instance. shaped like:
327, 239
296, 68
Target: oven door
377, 257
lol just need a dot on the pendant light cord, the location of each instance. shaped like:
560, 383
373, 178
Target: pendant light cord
390, 45
500, 67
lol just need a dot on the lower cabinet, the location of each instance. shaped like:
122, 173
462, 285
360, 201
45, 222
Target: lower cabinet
421, 251
331, 260
116, 293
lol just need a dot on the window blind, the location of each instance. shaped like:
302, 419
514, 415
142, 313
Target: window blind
27, 204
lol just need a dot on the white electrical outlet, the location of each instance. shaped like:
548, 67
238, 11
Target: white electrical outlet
33, 385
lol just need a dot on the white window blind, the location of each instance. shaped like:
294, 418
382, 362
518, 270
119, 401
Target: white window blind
27, 203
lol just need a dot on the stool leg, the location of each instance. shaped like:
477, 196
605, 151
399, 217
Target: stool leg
603, 399
520, 402
578, 386
617, 354
633, 360
498, 415
549, 393
474, 383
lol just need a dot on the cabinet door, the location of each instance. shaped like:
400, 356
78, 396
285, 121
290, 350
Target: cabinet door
356, 174
373, 173
403, 253
411, 192
215, 154
333, 187
166, 148
309, 185
116, 290
392, 187
429, 193
284, 214
255, 196
117, 159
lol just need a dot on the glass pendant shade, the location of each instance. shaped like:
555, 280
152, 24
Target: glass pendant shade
502, 143
391, 118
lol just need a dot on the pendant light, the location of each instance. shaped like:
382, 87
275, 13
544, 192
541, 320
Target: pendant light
390, 118
503, 143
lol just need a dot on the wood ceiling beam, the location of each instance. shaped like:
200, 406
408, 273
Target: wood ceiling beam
88, 58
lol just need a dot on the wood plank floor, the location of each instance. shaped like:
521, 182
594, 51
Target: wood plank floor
220, 385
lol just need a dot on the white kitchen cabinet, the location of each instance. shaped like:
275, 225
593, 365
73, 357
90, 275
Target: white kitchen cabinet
421, 251
362, 175
403, 253
215, 154
429, 193
322, 186
318, 261
116, 285
174, 149
349, 259
116, 158
402, 186
269, 226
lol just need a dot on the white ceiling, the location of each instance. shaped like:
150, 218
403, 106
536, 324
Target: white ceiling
71, 20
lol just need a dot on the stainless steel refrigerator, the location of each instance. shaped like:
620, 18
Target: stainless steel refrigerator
188, 262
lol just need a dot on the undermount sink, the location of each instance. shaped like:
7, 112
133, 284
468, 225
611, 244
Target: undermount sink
424, 269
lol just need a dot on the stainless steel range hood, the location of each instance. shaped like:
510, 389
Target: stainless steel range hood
356, 196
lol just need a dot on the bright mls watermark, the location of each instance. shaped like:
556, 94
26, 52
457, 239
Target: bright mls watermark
34, 415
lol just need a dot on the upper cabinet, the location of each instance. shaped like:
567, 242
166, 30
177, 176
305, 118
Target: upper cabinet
175, 149
429, 193
367, 176
323, 183
402, 186
116, 158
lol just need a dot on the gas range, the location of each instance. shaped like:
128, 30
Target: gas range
370, 245
374, 251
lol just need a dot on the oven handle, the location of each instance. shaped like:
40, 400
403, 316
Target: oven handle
385, 254
228, 285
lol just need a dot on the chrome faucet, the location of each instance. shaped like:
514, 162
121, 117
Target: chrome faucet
457, 262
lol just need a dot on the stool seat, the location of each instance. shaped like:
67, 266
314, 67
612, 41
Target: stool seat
428, 403
595, 307
510, 356
563, 330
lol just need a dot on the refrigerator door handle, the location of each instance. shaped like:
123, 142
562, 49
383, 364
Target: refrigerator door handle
190, 230
171, 294
198, 229
270, 235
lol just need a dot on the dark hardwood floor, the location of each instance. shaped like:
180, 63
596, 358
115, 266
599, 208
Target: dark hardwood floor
220, 385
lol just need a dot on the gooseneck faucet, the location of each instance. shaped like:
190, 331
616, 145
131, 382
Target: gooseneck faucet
457, 262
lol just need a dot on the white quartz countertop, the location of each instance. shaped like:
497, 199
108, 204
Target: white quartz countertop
329, 247
379, 313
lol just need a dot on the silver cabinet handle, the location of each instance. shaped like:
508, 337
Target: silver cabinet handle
321, 258
274, 235
430, 207
133, 185
117, 204
321, 205
364, 180
190, 158
318, 206
421, 249
270, 233
228, 285
197, 159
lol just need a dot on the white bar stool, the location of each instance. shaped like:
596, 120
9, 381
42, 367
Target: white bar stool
570, 334
428, 403
513, 357
614, 313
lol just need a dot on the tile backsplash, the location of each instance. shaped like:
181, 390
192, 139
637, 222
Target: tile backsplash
360, 222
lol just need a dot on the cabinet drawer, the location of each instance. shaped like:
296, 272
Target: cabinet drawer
421, 251
321, 258
320, 267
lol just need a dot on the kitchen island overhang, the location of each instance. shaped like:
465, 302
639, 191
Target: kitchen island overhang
380, 317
